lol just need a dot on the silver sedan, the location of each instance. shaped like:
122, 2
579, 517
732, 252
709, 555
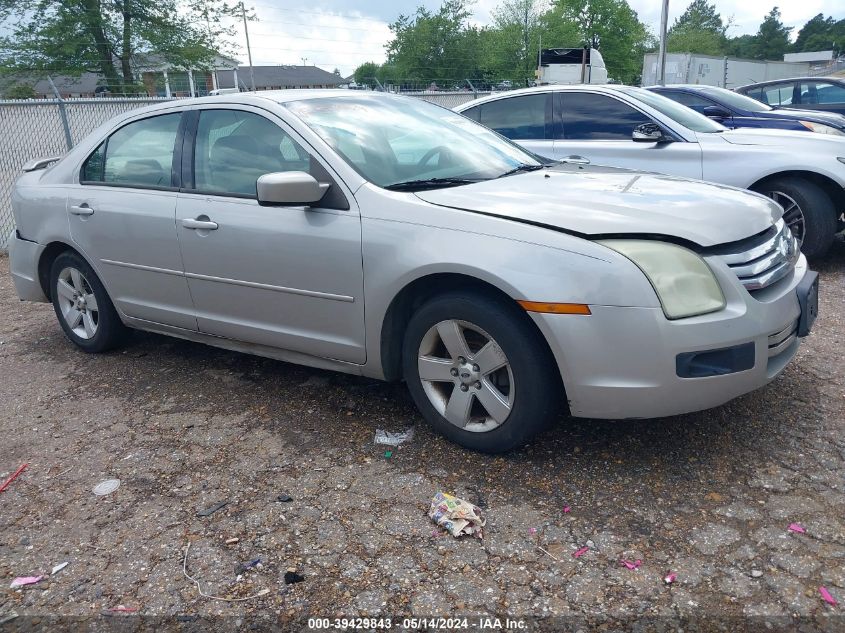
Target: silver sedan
384, 236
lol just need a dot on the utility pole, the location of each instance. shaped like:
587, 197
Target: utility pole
661, 60
248, 49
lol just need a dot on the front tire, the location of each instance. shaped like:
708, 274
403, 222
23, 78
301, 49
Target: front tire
82, 305
808, 211
479, 372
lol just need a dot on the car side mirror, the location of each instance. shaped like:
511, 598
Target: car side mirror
649, 133
289, 188
716, 112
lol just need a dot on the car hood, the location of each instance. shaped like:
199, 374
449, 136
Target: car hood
829, 118
782, 138
597, 201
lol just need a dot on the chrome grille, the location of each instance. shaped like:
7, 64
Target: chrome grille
782, 339
762, 260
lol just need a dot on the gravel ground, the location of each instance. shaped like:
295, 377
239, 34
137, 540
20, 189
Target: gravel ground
708, 496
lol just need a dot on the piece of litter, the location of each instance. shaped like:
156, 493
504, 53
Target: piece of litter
388, 454
631, 565
232, 541
291, 577
263, 592
284, 498
797, 528
58, 568
580, 552
121, 609
22, 581
456, 516
106, 487
242, 567
212, 509
548, 553
669, 578
566, 509
393, 439
827, 597
13, 477
532, 530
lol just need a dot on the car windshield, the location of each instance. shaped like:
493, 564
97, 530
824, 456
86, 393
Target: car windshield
735, 100
402, 141
687, 117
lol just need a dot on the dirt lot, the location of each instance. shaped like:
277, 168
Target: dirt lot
708, 496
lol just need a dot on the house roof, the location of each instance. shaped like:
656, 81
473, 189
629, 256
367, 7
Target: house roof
267, 76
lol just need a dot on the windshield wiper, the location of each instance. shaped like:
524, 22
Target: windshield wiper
521, 168
430, 183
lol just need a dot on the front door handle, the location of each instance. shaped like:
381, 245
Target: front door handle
204, 225
82, 209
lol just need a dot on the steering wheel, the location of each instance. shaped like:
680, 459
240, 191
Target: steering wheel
440, 149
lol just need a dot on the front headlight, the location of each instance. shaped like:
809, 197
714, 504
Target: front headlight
682, 280
821, 128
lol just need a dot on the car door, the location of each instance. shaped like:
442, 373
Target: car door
287, 277
599, 127
122, 217
524, 119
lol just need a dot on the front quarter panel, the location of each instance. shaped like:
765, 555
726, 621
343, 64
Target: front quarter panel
406, 239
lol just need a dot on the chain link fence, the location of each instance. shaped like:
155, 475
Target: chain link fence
49, 127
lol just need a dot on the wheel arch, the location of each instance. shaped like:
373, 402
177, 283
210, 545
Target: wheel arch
417, 292
45, 263
827, 184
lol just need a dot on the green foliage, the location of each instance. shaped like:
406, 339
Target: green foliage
743, 46
110, 37
821, 34
365, 73
19, 91
698, 30
772, 39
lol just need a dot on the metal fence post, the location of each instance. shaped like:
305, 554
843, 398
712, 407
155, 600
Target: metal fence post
62, 114
472, 87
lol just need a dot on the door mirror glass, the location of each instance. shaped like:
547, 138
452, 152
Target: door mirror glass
293, 188
716, 112
649, 133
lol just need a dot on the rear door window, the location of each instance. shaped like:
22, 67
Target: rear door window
517, 118
777, 94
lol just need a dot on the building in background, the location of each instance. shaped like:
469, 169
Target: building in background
281, 77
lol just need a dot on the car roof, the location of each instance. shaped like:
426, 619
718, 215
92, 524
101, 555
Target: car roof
605, 88
787, 80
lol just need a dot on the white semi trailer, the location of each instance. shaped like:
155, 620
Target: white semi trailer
571, 66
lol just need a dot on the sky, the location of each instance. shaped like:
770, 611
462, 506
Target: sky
332, 34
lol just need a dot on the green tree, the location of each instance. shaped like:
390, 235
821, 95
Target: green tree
109, 36
772, 39
513, 41
820, 34
365, 73
19, 91
698, 30
743, 46
610, 26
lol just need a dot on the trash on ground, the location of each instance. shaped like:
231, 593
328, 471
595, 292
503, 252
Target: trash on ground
548, 553
13, 477
393, 439
212, 509
631, 564
263, 592
291, 577
456, 516
532, 530
669, 578
58, 568
232, 541
567, 509
284, 498
22, 581
827, 597
580, 552
121, 609
106, 487
242, 567
388, 454
797, 528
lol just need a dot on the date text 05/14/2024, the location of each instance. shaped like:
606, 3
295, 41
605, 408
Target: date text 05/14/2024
418, 624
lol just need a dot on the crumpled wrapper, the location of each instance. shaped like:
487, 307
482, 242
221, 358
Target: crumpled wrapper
456, 516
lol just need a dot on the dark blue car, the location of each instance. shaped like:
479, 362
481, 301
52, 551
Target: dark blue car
736, 110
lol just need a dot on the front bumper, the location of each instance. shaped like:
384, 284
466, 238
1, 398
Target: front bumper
622, 362
23, 265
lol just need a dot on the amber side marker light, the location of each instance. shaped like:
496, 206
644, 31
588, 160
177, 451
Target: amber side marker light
555, 308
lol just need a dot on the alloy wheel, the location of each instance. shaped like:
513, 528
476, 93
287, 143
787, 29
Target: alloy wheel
78, 303
793, 216
466, 375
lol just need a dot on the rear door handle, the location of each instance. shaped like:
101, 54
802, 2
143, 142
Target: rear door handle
82, 209
205, 225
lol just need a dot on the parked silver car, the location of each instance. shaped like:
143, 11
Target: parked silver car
635, 128
385, 236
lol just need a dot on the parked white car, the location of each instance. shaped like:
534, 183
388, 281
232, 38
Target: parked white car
388, 237
638, 129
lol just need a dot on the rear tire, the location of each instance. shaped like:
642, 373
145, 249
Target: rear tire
494, 385
815, 206
82, 305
